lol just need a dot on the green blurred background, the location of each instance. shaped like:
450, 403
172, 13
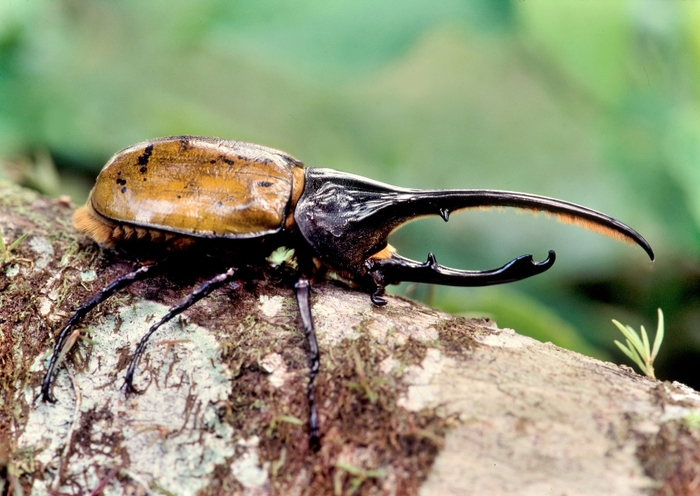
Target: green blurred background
595, 102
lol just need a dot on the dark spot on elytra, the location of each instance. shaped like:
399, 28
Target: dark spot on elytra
178, 196
226, 160
143, 170
265, 184
219, 204
212, 161
184, 144
121, 182
124, 190
143, 158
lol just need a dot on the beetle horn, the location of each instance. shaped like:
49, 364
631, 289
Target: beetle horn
347, 218
395, 269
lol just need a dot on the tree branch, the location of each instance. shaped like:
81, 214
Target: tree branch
410, 399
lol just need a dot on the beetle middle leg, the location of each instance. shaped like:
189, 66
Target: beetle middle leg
204, 290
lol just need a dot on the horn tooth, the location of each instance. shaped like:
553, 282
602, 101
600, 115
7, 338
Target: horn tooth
432, 261
445, 214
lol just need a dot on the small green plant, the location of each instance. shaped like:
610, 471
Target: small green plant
357, 477
283, 256
5, 251
279, 419
637, 347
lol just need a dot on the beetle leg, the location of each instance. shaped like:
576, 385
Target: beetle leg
395, 269
379, 287
120, 283
205, 289
302, 291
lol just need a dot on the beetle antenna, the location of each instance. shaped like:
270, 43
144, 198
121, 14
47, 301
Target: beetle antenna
205, 289
302, 291
120, 283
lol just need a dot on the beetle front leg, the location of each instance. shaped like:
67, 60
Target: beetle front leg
205, 289
120, 283
303, 294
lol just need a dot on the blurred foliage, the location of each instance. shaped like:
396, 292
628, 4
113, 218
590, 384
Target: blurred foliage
590, 101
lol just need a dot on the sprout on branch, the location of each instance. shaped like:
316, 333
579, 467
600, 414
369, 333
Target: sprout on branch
637, 348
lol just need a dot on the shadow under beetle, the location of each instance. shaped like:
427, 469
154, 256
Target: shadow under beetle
239, 202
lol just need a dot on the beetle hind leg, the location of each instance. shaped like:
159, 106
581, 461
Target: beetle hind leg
202, 291
122, 282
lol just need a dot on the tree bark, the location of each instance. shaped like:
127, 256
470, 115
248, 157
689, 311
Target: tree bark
411, 400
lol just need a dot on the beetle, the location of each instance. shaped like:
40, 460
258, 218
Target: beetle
240, 201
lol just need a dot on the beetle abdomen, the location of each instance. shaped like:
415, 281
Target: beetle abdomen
108, 233
201, 187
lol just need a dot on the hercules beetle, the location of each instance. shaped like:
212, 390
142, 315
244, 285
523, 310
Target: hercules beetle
240, 201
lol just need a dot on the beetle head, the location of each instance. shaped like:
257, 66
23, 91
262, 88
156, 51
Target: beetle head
347, 218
